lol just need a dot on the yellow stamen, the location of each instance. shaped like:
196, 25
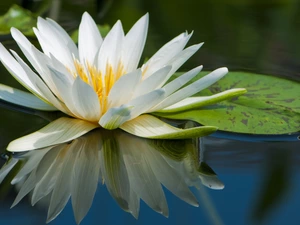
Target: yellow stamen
101, 83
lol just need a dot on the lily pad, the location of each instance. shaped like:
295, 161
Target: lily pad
270, 106
19, 18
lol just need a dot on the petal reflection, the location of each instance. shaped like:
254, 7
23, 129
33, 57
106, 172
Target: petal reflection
132, 168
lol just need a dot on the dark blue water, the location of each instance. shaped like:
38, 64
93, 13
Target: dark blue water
261, 187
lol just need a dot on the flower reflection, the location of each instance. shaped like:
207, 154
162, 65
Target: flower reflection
132, 169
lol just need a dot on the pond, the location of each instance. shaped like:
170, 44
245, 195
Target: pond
234, 178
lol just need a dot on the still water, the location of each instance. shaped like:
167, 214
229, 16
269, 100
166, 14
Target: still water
261, 179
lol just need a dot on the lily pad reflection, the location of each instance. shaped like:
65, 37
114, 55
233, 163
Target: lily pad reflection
132, 168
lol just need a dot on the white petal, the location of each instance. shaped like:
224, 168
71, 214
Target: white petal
16, 70
43, 90
193, 88
59, 131
52, 42
39, 61
168, 176
63, 85
101, 178
142, 179
27, 186
145, 102
109, 54
196, 102
55, 63
45, 45
86, 100
134, 204
153, 152
153, 82
85, 176
26, 48
182, 80
23, 98
114, 172
65, 36
62, 188
175, 85
178, 60
6, 168
44, 62
182, 57
47, 172
123, 89
64, 91
134, 44
89, 40
114, 117
30, 164
165, 54
148, 126
40, 88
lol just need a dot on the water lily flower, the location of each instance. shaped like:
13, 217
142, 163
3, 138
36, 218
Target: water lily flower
132, 169
99, 82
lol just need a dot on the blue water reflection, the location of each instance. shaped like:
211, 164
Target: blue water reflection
261, 182
131, 168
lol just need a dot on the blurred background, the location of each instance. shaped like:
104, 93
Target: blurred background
245, 35
260, 36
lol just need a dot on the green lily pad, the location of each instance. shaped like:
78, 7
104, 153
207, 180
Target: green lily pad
104, 29
270, 106
19, 18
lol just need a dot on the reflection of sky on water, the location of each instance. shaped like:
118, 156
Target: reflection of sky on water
233, 205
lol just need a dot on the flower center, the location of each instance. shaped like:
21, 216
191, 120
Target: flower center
101, 82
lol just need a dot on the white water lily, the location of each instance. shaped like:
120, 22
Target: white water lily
99, 81
132, 169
